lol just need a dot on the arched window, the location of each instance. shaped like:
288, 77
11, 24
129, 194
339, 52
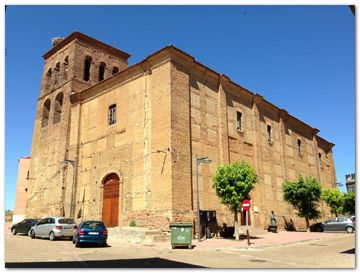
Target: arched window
48, 79
66, 67
115, 70
45, 113
101, 71
57, 73
58, 107
299, 146
87, 66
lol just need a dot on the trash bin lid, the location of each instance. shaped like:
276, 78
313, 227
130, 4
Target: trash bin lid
181, 224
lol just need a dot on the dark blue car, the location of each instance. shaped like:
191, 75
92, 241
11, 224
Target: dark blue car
90, 231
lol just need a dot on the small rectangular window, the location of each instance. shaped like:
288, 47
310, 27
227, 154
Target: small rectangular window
112, 114
269, 131
299, 146
320, 160
239, 121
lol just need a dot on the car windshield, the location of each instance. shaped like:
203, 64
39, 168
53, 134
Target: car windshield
66, 221
92, 225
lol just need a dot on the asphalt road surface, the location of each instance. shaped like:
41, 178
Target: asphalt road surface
23, 252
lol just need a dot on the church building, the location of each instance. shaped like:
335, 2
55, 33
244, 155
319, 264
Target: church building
118, 143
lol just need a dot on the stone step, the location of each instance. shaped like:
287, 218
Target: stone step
160, 238
136, 234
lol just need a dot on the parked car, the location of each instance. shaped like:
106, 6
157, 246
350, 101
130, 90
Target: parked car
24, 226
334, 224
53, 227
90, 231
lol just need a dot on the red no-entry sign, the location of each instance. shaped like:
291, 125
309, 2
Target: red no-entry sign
246, 205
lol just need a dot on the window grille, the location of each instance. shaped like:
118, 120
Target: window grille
112, 114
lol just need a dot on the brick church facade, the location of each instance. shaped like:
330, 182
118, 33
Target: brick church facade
119, 143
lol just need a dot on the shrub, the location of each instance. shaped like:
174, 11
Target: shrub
132, 223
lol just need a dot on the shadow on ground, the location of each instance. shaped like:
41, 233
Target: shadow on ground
126, 263
244, 237
349, 251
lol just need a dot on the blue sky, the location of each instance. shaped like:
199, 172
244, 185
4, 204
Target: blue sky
300, 58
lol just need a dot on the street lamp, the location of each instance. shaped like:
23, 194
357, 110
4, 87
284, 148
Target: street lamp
200, 160
73, 164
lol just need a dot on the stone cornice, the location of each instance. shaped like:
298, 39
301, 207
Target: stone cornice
322, 141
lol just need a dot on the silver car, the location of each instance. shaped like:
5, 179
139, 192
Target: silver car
53, 227
335, 224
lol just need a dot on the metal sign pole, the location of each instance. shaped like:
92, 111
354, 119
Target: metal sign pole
198, 199
247, 228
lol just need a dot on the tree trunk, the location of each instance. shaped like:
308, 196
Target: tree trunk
236, 226
307, 224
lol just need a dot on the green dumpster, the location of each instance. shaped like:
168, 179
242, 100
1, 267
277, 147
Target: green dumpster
181, 234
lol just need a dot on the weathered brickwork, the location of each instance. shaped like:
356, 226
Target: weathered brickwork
21, 190
50, 180
169, 109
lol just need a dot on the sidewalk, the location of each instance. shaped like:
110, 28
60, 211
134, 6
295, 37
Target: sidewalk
265, 240
268, 239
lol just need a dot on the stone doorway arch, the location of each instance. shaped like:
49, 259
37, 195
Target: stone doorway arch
110, 210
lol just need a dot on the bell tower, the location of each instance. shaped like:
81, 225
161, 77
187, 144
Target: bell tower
73, 64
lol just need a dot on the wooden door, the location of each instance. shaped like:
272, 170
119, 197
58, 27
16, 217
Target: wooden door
110, 213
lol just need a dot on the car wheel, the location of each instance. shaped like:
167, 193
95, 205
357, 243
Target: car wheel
29, 233
32, 234
319, 229
349, 230
52, 236
13, 231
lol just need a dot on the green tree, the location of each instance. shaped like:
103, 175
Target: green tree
334, 199
349, 203
304, 195
233, 184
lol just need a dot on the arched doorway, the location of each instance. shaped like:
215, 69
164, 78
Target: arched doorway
110, 211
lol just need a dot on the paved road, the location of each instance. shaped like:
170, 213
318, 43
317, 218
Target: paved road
334, 252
